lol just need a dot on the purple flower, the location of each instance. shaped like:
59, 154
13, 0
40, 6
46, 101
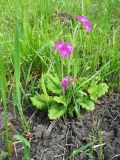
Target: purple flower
58, 45
67, 81
87, 24
69, 47
65, 48
64, 52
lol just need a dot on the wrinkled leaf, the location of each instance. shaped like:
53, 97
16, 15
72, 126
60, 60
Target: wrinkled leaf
60, 99
55, 112
40, 101
53, 84
86, 103
97, 90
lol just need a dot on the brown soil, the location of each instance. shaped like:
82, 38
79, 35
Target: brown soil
56, 140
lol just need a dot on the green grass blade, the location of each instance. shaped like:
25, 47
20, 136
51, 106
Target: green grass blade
81, 149
3, 86
25, 143
17, 67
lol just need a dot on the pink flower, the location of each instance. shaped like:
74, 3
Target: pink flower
58, 45
87, 24
65, 48
69, 47
64, 52
67, 81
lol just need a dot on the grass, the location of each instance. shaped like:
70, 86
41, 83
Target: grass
17, 92
3, 86
26, 49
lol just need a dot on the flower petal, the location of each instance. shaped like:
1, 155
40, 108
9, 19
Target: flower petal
81, 18
58, 45
87, 24
67, 81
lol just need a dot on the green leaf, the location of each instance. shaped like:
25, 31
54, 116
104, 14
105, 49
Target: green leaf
23, 140
86, 103
53, 84
60, 99
25, 143
55, 112
97, 90
40, 101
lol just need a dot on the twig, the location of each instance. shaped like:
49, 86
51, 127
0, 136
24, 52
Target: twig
58, 155
116, 156
99, 145
15, 149
51, 126
96, 146
32, 116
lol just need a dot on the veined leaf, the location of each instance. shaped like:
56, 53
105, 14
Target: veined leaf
53, 84
55, 111
40, 101
97, 90
61, 99
86, 103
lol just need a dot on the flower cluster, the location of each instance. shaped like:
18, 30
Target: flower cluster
67, 81
85, 22
65, 48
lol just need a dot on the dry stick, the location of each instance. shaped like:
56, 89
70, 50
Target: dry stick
20, 149
32, 116
15, 150
51, 126
14, 144
43, 153
58, 155
116, 156
62, 148
96, 146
